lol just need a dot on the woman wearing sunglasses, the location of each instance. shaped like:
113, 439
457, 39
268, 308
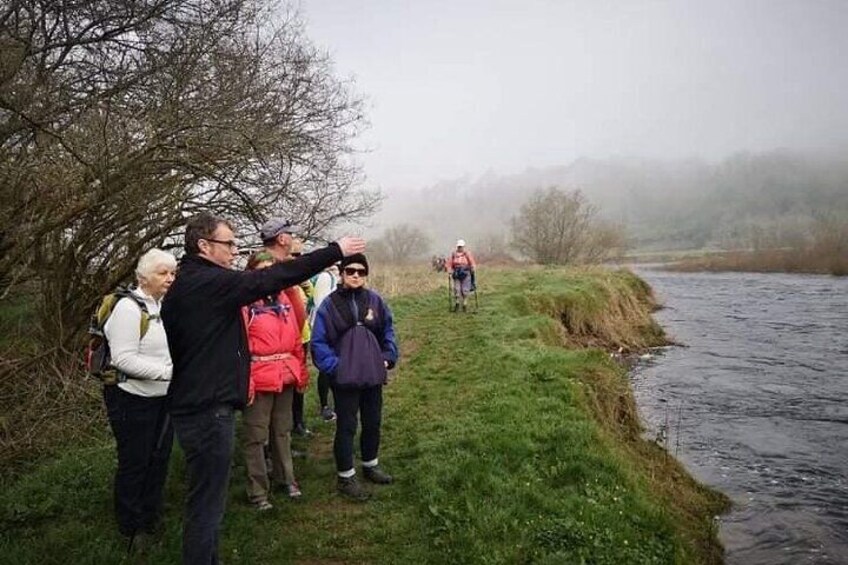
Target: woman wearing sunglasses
353, 341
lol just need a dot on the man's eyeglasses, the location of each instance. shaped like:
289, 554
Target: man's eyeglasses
231, 243
350, 271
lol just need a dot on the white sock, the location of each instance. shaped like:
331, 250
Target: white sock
372, 463
347, 474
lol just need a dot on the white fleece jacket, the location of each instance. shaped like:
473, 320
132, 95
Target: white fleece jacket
146, 360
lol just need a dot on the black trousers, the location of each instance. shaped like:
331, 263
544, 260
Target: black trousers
207, 439
323, 389
297, 410
144, 438
350, 403
297, 401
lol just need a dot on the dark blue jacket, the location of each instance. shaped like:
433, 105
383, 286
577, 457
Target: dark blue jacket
352, 336
206, 336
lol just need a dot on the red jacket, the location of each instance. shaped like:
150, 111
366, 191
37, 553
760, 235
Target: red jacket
276, 348
461, 259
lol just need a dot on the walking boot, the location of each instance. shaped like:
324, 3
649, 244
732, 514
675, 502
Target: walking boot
352, 489
376, 475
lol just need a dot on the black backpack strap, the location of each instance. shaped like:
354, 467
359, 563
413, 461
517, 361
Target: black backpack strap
145, 313
363, 303
376, 305
128, 293
343, 311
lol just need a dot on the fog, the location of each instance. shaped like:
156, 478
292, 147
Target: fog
460, 87
462, 90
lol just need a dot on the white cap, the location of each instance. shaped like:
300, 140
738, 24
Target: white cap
460, 243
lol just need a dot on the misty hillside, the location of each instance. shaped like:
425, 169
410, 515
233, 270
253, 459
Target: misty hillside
661, 204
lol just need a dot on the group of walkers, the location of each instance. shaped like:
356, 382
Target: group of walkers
210, 340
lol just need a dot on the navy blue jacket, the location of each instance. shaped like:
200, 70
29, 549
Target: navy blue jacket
201, 313
352, 337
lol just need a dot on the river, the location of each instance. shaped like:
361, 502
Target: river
756, 405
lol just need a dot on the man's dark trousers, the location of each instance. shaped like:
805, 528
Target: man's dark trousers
207, 439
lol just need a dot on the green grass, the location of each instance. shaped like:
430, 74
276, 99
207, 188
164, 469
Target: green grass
506, 447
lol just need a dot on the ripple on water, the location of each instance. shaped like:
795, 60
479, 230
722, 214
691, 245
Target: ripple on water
756, 405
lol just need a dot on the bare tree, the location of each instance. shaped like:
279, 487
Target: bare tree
603, 242
405, 242
120, 119
491, 247
558, 227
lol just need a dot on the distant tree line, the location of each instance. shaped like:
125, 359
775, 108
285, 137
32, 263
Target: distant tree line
552, 227
661, 204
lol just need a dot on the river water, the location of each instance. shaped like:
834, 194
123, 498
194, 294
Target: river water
756, 405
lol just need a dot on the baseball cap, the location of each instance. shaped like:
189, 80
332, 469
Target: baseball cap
275, 226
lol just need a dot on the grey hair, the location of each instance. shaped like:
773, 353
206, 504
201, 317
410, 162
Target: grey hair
151, 260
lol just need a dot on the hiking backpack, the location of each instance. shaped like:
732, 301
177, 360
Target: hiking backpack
98, 358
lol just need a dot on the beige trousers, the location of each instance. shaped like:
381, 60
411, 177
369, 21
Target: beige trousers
270, 412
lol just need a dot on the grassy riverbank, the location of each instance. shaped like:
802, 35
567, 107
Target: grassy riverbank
768, 261
511, 443
801, 261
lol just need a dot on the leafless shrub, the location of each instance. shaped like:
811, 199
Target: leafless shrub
119, 119
555, 227
401, 244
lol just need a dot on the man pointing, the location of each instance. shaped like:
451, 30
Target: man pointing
202, 318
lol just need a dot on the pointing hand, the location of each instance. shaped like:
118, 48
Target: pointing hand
351, 245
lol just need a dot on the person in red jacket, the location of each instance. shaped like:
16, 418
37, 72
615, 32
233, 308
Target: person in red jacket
277, 369
461, 267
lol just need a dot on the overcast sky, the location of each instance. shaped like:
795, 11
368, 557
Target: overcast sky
462, 87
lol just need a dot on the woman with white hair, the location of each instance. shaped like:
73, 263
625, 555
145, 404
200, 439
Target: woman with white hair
136, 404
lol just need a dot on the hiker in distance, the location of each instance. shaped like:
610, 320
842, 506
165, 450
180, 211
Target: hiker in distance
203, 320
461, 269
136, 404
277, 369
353, 341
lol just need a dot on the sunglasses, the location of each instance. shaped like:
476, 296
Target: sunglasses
350, 271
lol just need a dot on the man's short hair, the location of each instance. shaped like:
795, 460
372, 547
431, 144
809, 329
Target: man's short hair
201, 226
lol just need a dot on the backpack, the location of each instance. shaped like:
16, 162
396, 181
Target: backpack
98, 359
310, 299
357, 341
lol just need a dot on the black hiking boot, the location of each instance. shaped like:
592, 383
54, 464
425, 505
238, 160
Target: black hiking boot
464, 308
302, 431
455, 307
352, 489
376, 475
